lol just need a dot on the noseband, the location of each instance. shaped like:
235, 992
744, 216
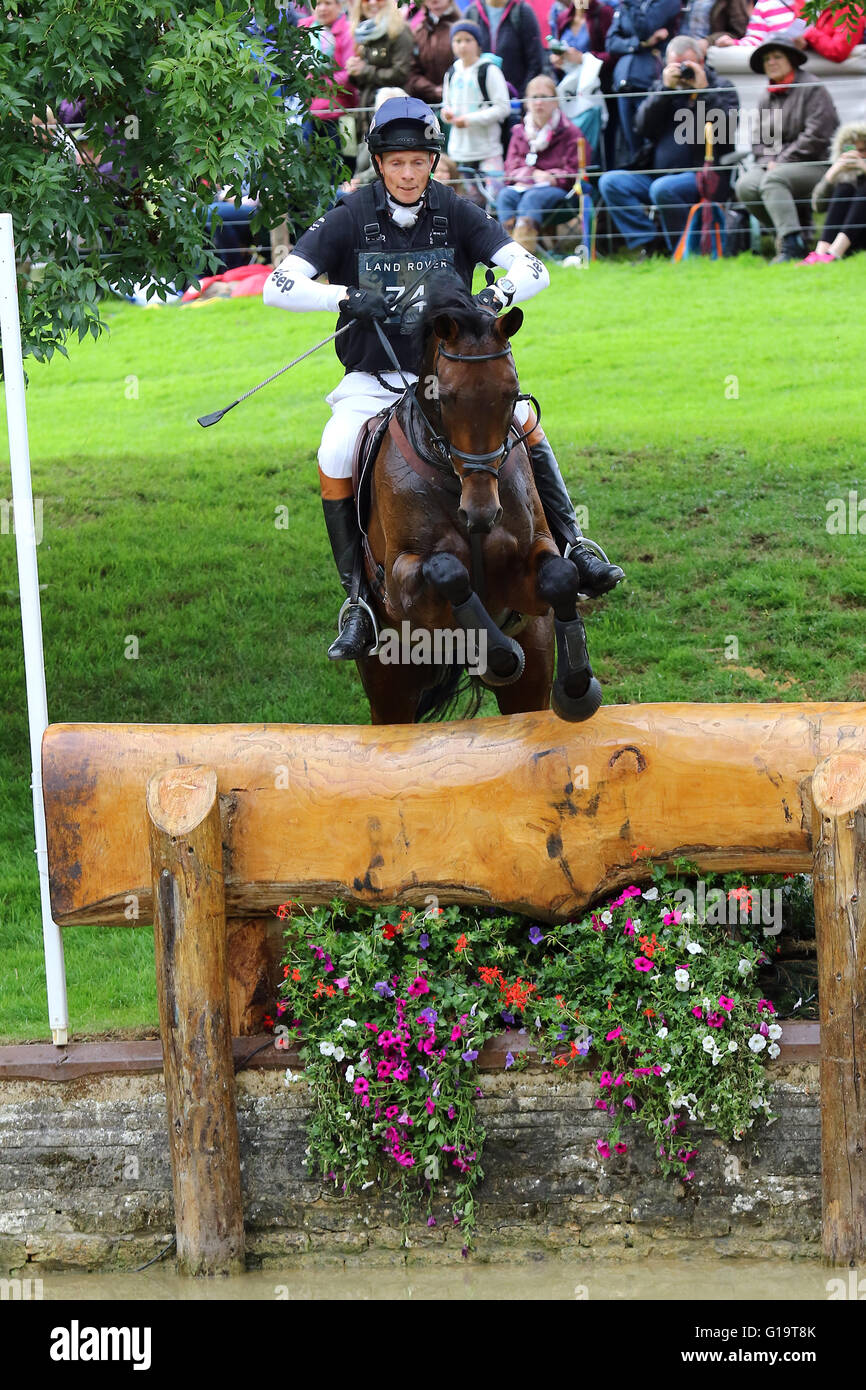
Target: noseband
480, 463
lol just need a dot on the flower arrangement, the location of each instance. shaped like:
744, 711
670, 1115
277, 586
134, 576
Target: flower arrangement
392, 1008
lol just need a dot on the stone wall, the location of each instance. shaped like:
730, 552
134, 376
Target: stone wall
85, 1180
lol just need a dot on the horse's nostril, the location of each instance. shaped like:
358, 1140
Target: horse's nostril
461, 516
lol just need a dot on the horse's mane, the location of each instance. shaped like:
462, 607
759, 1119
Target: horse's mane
445, 293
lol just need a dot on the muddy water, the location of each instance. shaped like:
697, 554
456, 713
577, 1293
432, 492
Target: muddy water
545, 1279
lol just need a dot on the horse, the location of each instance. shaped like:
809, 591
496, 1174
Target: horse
455, 534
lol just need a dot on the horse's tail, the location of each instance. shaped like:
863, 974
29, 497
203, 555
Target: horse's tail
456, 695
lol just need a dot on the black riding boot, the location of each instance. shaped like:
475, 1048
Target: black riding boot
357, 635
596, 575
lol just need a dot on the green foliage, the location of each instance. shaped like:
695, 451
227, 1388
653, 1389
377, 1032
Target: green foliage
179, 102
393, 1008
847, 15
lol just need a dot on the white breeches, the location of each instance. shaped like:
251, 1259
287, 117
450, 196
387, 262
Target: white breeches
358, 397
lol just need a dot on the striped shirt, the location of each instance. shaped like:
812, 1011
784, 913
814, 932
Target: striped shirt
769, 17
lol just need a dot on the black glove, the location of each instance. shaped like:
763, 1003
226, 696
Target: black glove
496, 297
365, 306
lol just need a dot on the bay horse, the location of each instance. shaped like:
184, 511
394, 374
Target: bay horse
456, 537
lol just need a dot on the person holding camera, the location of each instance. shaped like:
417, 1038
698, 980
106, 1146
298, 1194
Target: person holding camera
671, 124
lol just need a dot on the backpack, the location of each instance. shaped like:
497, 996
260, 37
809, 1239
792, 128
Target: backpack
510, 121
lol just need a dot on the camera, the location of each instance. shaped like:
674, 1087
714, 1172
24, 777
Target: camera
555, 45
687, 73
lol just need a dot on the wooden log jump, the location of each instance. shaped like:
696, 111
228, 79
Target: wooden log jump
192, 987
524, 813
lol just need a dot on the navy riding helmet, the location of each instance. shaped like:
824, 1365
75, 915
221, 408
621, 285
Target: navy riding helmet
405, 123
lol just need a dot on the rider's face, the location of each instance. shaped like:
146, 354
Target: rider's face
406, 173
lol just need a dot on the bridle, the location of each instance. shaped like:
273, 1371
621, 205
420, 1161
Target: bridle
478, 463
439, 442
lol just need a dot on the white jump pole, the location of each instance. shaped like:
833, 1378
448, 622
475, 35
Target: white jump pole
31, 613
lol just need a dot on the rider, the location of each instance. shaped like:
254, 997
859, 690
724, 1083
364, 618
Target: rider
371, 245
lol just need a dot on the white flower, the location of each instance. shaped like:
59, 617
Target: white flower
757, 1042
347, 1114
350, 1074
365, 1185
773, 1050
607, 918
732, 1046
775, 1032
339, 1054
708, 1043
688, 914
694, 948
717, 1057
637, 924
326, 1049
743, 965
666, 1066
707, 1003
662, 1033
682, 985
348, 1023
681, 973
290, 1077
651, 894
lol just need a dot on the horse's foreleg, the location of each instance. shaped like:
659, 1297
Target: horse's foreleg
576, 693
448, 577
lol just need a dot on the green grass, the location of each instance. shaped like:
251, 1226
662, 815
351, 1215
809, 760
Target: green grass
711, 493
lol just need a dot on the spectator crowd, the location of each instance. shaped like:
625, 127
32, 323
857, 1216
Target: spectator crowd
625, 119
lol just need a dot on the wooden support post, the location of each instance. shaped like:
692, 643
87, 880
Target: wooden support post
192, 986
839, 881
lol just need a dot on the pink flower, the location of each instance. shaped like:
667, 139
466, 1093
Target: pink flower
429, 1105
601, 1105
603, 1148
628, 929
672, 919
343, 984
618, 1080
617, 1033
725, 1002
456, 1033
419, 986
392, 1112
641, 963
715, 1020
620, 1148
698, 1013
606, 1079
451, 1112
629, 1103
384, 1069
361, 1085
401, 1073
765, 1004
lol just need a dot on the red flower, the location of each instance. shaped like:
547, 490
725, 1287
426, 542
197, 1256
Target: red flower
389, 931
462, 943
296, 974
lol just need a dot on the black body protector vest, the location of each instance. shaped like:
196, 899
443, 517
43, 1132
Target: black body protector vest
393, 260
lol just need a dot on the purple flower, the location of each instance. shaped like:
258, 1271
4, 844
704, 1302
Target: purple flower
428, 1016
343, 982
431, 1220
423, 1073
583, 1047
509, 1060
383, 989
536, 935
469, 1056
423, 941
506, 1016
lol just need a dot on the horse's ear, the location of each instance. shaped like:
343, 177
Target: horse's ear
510, 322
444, 327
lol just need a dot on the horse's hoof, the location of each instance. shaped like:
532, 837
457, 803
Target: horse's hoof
490, 677
576, 708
